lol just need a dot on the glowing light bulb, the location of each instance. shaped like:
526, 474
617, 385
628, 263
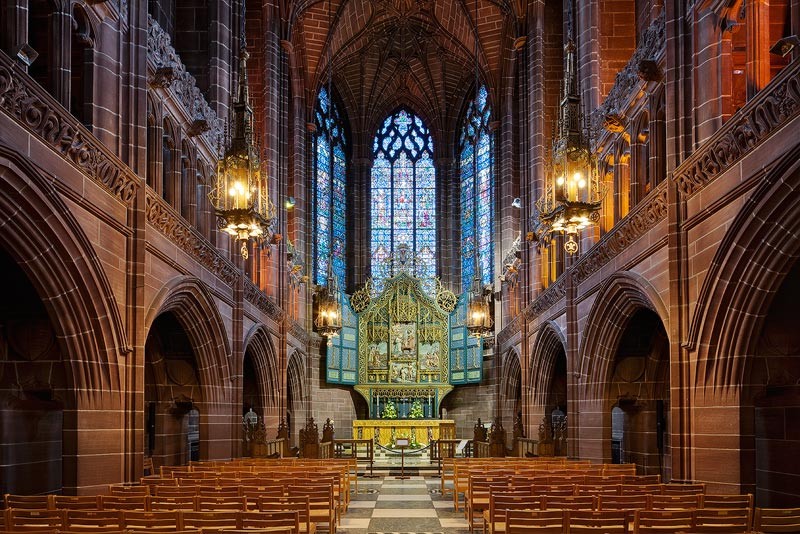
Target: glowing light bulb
560, 180
576, 177
581, 183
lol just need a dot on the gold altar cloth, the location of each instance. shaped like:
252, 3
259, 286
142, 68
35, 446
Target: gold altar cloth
423, 429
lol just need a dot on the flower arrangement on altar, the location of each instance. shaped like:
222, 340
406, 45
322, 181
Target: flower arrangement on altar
416, 410
389, 411
412, 442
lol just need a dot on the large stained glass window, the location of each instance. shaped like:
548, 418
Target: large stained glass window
477, 207
329, 195
403, 196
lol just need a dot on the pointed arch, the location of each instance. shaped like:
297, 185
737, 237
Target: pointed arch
752, 261
47, 242
618, 299
550, 343
261, 349
189, 300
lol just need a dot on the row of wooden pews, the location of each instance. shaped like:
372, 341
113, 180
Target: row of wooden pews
248, 495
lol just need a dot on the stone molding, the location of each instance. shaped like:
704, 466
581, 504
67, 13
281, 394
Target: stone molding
257, 298
39, 113
163, 218
756, 121
639, 69
299, 333
170, 73
644, 216
547, 298
509, 331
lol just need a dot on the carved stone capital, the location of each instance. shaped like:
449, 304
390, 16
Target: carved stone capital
163, 77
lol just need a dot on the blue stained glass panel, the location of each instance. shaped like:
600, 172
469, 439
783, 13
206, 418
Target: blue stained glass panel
477, 190
330, 196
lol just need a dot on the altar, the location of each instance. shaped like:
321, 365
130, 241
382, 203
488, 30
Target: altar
420, 431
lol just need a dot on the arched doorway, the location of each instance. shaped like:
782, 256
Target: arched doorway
510, 393
639, 396
33, 389
772, 398
260, 388
548, 387
296, 399
173, 395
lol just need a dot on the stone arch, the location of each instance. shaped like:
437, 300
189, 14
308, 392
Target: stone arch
262, 351
750, 265
48, 243
297, 394
510, 389
549, 342
188, 299
618, 299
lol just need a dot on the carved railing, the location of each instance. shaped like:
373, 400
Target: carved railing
30, 105
163, 217
771, 109
169, 72
641, 68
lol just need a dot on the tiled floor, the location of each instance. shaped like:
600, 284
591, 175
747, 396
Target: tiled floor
391, 505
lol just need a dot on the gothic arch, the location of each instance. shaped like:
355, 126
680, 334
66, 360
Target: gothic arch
751, 263
549, 342
48, 243
188, 299
618, 299
259, 345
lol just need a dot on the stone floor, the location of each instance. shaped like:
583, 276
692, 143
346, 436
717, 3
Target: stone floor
414, 505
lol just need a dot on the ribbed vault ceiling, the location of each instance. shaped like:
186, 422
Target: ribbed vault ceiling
391, 52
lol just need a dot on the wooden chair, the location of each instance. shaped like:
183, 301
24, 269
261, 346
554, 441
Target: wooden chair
29, 502
777, 520
298, 504
494, 519
175, 491
197, 520
225, 491
642, 489
477, 497
321, 503
675, 502
721, 520
534, 522
259, 520
124, 490
155, 503
82, 502
727, 501
161, 521
597, 521
558, 502
641, 479
123, 502
210, 504
31, 519
676, 489
603, 489
93, 520
662, 521
623, 503
267, 530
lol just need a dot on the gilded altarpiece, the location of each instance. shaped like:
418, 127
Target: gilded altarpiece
404, 347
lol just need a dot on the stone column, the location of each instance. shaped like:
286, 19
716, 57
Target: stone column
62, 52
448, 208
757, 66
358, 223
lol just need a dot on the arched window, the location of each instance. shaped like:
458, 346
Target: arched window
329, 197
477, 209
403, 196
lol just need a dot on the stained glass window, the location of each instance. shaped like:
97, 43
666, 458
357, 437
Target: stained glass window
403, 196
476, 165
330, 200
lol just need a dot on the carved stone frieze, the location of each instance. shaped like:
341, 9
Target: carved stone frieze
26, 102
628, 79
171, 73
646, 215
300, 333
769, 111
547, 298
257, 298
510, 330
163, 218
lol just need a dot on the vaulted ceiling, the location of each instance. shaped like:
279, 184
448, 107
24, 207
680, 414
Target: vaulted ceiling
390, 52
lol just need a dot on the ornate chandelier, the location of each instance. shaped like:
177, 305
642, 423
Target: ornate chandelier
573, 193
329, 309
240, 196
